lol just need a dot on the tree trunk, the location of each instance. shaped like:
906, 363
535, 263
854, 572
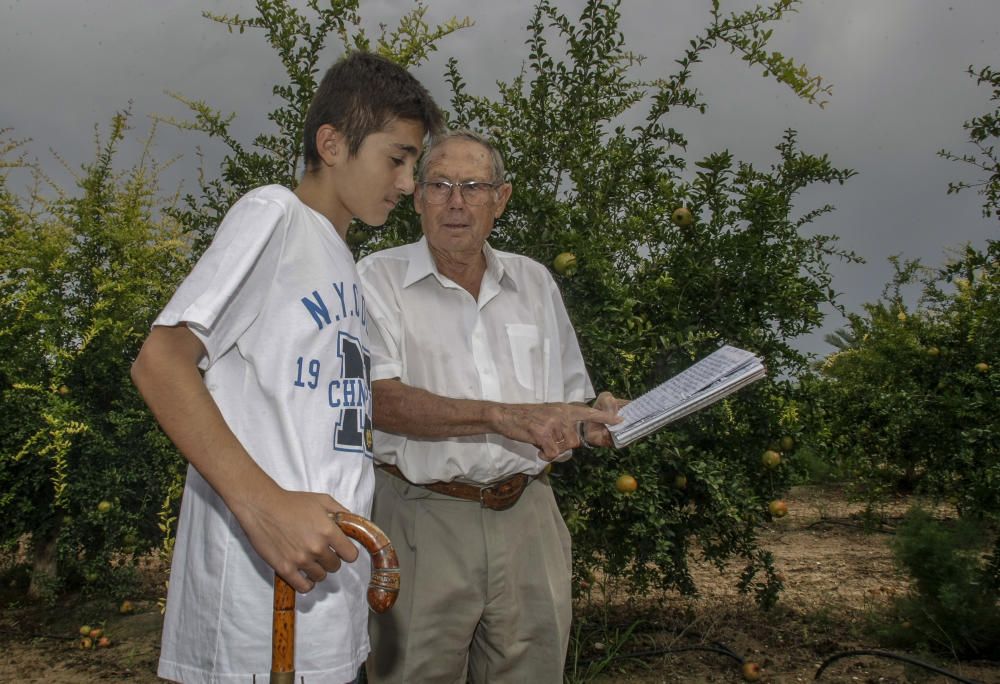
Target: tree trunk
44, 567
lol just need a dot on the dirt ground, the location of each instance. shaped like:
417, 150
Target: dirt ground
837, 577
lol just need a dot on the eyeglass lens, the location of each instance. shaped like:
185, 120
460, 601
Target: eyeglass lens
474, 193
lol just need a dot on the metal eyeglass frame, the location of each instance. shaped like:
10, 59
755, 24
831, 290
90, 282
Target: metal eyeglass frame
462, 188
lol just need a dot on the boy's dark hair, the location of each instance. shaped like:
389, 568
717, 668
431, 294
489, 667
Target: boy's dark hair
359, 95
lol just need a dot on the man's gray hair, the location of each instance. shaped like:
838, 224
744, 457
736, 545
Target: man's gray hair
463, 134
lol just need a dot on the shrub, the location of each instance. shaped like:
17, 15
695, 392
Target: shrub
84, 275
953, 606
653, 291
911, 401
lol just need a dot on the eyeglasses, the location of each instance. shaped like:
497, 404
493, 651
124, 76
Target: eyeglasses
474, 193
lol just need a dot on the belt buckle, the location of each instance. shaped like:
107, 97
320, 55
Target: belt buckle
499, 497
505, 493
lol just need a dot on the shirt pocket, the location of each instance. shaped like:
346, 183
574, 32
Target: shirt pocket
529, 355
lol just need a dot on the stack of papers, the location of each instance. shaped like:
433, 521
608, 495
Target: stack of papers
714, 377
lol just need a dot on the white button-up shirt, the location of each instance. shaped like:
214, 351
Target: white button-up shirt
514, 345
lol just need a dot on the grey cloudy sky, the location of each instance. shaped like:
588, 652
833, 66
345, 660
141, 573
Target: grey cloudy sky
897, 68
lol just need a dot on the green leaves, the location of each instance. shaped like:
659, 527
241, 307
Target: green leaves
953, 608
413, 41
983, 132
651, 294
88, 270
299, 38
598, 170
744, 33
910, 395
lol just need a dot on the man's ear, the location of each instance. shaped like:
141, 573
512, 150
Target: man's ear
330, 145
503, 196
418, 199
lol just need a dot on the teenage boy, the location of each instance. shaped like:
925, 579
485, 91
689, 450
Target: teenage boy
258, 370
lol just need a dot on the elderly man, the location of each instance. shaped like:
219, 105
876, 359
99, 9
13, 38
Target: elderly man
478, 383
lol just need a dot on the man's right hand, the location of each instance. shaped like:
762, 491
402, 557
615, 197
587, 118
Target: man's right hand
550, 427
407, 410
295, 534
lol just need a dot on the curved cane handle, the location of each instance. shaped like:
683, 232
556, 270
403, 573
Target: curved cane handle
383, 589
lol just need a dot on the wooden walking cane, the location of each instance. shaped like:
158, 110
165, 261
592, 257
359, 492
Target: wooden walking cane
382, 591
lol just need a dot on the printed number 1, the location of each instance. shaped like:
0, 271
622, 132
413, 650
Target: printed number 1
313, 373
354, 430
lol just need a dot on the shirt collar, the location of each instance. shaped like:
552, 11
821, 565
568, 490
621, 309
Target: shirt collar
421, 264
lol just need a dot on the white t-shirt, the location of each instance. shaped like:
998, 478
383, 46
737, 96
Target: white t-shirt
276, 301
514, 345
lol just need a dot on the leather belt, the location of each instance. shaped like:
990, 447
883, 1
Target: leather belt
498, 497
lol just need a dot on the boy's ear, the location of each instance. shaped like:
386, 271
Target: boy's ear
330, 145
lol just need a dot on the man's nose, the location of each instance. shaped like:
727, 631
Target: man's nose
455, 198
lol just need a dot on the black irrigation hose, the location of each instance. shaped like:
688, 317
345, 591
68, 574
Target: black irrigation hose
716, 647
722, 649
894, 656
882, 529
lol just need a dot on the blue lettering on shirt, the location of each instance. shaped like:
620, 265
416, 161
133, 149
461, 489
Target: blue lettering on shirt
350, 393
343, 303
318, 309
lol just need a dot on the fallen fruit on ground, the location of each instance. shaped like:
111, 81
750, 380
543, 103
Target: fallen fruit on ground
103, 642
778, 508
96, 633
85, 630
626, 484
751, 671
86, 643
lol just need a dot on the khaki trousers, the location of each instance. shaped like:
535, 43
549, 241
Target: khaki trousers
484, 596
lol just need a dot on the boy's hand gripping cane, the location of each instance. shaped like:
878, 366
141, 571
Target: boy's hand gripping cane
382, 591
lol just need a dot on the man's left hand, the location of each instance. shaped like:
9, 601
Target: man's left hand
597, 434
